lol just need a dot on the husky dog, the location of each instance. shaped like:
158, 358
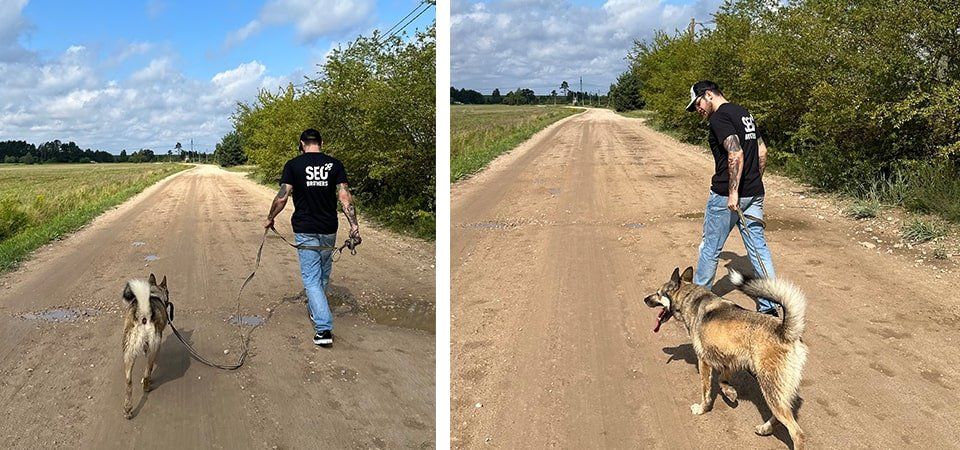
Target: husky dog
143, 325
729, 338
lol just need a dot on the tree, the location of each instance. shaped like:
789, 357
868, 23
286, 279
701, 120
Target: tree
123, 156
565, 88
229, 152
553, 94
495, 97
625, 93
28, 159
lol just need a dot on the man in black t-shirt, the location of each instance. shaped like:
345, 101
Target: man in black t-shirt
316, 181
740, 158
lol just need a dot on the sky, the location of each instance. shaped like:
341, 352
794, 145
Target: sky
538, 44
113, 75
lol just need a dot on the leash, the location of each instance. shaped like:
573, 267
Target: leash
244, 342
743, 219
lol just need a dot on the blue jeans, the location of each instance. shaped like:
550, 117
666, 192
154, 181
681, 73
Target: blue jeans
315, 267
718, 221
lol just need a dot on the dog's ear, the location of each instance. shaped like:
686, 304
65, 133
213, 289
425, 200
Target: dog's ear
128, 295
675, 278
153, 280
687, 276
163, 283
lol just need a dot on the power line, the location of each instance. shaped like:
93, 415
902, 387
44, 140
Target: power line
428, 5
405, 17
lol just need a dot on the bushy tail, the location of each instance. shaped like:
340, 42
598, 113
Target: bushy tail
780, 291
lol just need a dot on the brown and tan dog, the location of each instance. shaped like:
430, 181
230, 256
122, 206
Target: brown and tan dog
729, 338
143, 325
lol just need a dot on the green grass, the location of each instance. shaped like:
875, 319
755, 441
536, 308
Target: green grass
863, 209
919, 230
480, 133
39, 203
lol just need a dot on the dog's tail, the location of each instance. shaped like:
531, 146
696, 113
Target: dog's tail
780, 291
138, 291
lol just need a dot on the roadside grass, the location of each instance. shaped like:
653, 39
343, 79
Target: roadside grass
39, 203
919, 230
480, 133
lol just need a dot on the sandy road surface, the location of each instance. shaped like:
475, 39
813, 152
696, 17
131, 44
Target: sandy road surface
553, 249
61, 384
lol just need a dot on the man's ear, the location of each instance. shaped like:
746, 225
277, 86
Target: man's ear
687, 276
153, 280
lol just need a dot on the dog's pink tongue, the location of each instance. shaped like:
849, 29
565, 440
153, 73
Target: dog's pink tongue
656, 329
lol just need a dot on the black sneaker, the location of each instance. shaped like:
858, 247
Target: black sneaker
323, 338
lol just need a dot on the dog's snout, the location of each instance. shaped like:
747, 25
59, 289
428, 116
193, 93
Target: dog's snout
651, 301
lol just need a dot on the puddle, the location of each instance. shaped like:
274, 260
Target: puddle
635, 226
554, 191
403, 312
151, 258
139, 244
786, 225
696, 215
61, 314
250, 321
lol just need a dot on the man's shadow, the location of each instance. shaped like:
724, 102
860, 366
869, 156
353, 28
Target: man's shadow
172, 363
741, 264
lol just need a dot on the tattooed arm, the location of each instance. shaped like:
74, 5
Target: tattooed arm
763, 154
346, 200
734, 169
278, 203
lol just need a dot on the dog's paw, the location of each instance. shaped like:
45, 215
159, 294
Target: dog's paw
729, 392
764, 430
697, 409
146, 384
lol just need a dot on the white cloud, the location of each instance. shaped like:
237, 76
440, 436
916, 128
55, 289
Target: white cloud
311, 19
537, 44
12, 24
158, 69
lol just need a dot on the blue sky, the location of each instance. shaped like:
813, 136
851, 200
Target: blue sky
130, 74
537, 44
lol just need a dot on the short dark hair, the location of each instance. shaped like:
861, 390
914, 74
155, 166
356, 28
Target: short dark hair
311, 136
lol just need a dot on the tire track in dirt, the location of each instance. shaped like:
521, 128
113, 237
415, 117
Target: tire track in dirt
555, 245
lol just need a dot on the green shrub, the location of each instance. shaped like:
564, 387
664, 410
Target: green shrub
919, 230
12, 218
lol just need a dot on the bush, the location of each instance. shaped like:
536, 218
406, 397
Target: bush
12, 218
919, 230
863, 209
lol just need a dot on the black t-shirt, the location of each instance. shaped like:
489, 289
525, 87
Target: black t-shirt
314, 177
730, 119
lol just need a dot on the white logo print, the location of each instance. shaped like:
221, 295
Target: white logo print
748, 124
315, 173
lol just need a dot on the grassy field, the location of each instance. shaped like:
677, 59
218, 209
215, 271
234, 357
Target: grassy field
39, 203
480, 133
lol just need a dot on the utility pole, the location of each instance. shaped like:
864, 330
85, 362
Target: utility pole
580, 92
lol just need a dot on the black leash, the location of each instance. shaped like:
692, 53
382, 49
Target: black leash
244, 342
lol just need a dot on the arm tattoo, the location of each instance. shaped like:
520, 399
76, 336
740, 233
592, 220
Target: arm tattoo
351, 213
734, 161
278, 202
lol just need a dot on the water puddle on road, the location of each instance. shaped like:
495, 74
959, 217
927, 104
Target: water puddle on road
61, 314
151, 258
634, 226
139, 244
250, 321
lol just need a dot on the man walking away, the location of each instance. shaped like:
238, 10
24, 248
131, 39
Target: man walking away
316, 181
740, 158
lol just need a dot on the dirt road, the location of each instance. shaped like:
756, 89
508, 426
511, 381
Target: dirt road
61, 383
554, 247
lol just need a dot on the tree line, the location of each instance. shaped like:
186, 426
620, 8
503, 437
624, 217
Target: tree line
373, 101
524, 96
857, 97
22, 152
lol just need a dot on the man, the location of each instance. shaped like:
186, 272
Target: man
316, 181
740, 157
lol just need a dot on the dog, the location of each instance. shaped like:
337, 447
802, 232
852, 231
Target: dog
729, 338
143, 325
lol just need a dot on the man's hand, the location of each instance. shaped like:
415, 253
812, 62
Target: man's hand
268, 223
355, 235
733, 201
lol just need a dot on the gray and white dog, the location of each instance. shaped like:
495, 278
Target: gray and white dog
143, 325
